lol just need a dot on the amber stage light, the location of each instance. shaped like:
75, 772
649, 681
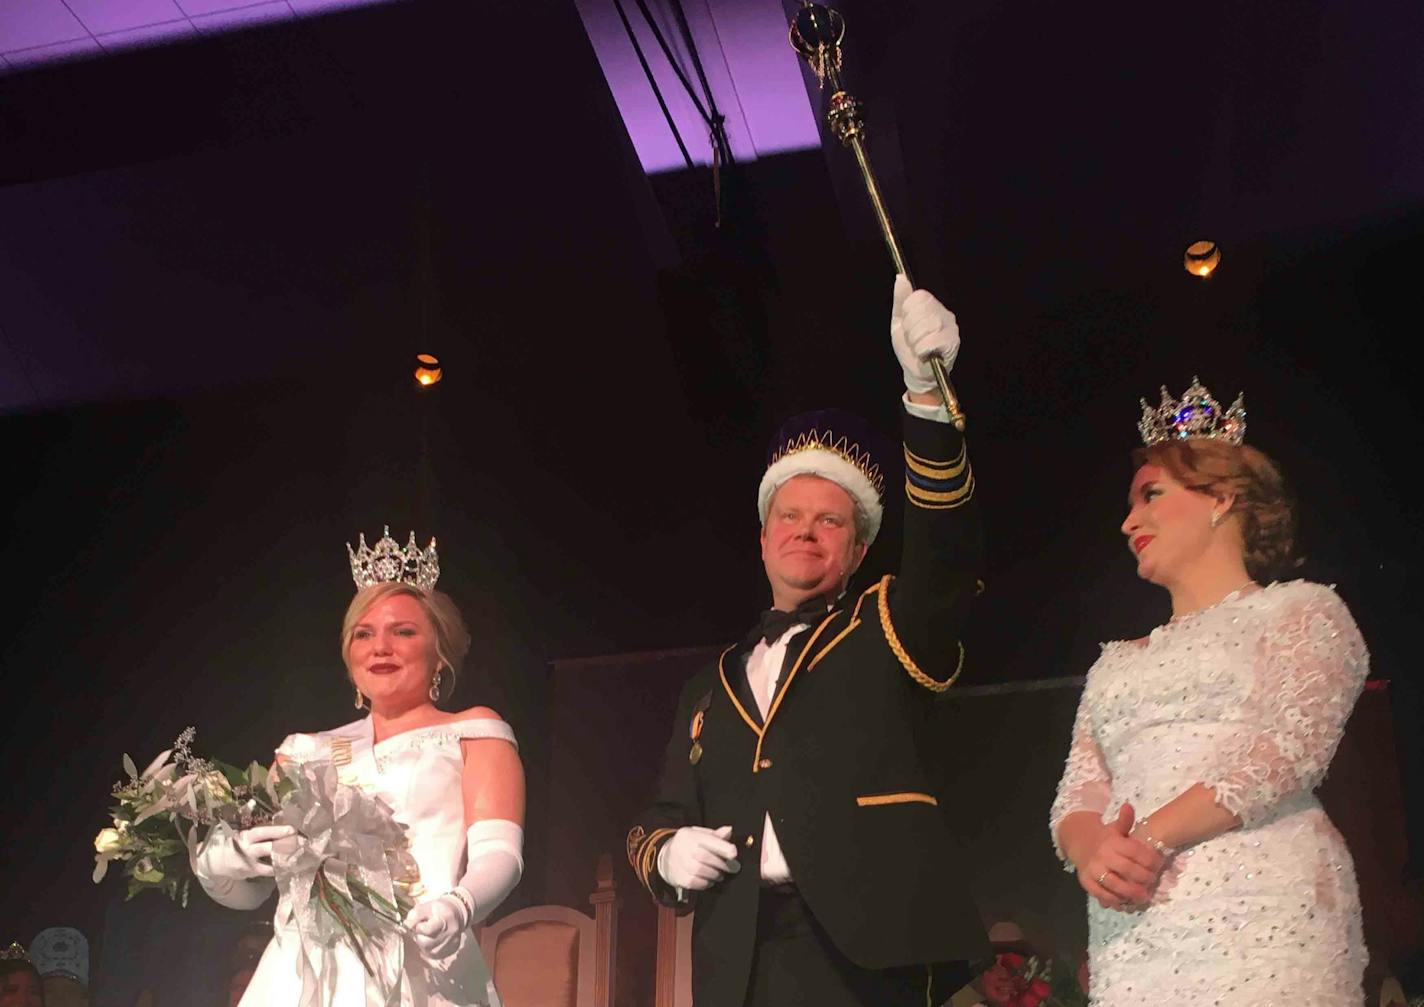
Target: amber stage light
427, 369
1202, 258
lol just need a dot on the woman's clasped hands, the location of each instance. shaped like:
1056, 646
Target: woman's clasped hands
1115, 868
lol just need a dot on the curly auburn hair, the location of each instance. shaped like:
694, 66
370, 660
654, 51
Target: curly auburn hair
1262, 500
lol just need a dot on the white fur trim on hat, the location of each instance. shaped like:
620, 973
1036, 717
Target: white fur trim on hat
827, 465
63, 952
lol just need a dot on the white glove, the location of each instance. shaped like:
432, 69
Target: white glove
436, 926
695, 859
495, 863
921, 328
228, 859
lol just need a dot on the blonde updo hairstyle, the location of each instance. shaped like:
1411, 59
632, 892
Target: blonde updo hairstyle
1262, 500
452, 639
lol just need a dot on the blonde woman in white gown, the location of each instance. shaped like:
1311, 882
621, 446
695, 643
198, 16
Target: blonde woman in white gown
1234, 888
453, 779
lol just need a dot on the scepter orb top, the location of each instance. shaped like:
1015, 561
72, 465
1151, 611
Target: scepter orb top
816, 33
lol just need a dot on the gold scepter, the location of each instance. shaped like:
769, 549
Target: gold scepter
816, 33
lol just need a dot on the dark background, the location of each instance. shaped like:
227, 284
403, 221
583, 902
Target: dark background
217, 259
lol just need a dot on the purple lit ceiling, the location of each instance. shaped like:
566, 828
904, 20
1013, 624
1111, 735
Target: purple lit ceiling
33, 32
752, 72
753, 75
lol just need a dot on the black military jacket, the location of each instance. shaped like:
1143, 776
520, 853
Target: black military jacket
838, 763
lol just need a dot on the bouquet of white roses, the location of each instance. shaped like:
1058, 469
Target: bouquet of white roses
158, 812
342, 875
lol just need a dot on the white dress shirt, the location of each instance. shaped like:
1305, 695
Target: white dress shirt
764, 675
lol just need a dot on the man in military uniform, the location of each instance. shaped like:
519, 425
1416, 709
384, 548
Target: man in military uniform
796, 814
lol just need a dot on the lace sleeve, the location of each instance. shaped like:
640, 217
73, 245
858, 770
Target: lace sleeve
1086, 784
1307, 679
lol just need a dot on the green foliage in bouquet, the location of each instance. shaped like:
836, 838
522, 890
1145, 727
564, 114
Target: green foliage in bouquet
146, 840
158, 811
339, 871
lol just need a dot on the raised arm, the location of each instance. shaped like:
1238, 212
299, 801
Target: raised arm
924, 608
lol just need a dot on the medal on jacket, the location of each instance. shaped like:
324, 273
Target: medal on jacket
694, 755
699, 709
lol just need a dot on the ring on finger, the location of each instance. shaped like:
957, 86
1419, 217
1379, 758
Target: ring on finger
1103, 877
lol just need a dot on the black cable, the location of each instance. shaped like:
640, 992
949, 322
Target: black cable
716, 120
652, 81
672, 61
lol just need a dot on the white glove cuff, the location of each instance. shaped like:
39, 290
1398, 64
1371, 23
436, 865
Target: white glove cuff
937, 412
496, 863
662, 861
465, 901
240, 895
662, 871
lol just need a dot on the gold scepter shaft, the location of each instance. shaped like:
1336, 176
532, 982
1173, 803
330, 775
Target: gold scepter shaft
816, 33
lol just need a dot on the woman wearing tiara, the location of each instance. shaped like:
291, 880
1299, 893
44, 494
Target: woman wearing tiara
453, 779
20, 983
1187, 805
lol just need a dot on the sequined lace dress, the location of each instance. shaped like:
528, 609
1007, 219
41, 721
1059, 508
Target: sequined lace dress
1249, 698
417, 773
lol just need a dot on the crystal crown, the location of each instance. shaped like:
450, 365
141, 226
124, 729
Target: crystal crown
389, 561
1195, 416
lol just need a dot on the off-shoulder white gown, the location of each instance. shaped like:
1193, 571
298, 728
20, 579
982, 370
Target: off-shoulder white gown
418, 774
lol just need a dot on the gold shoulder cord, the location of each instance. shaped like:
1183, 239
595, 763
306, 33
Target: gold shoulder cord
896, 647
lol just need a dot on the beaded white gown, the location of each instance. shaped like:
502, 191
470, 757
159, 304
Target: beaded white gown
1248, 697
418, 774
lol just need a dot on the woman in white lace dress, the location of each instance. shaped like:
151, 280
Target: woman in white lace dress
1187, 805
454, 779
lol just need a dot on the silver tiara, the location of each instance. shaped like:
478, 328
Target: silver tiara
1195, 416
390, 562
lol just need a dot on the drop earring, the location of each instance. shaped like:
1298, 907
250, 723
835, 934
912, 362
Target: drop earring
435, 685
360, 703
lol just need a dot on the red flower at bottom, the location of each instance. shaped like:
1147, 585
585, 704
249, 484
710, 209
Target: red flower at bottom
1005, 986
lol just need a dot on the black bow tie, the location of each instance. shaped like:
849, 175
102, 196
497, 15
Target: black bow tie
774, 622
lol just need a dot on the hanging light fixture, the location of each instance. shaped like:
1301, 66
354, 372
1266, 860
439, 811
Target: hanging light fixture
1202, 258
427, 369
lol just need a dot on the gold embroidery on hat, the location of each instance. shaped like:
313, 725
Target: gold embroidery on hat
843, 447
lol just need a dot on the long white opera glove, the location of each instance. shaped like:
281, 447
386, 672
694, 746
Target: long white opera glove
696, 858
920, 328
495, 865
235, 868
